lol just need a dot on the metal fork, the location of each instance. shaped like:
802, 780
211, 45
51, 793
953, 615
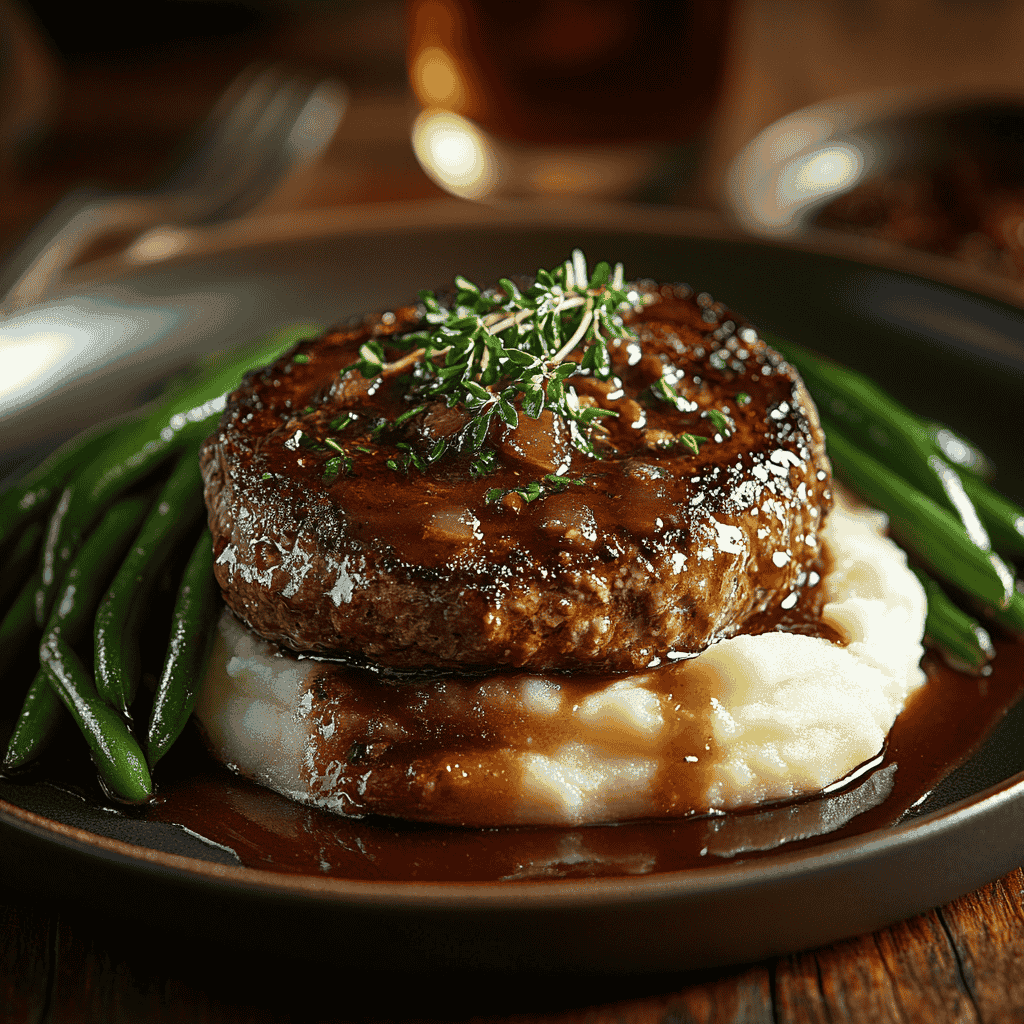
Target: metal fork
263, 127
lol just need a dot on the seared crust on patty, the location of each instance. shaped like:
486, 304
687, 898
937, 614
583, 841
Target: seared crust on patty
649, 554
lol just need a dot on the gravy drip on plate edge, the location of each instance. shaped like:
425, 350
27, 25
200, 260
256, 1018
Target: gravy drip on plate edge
943, 723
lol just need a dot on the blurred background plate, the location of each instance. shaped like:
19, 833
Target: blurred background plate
930, 173
949, 353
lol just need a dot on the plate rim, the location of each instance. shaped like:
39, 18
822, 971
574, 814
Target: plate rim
513, 894
183, 244
782, 865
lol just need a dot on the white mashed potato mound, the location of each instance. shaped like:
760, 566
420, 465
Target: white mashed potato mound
753, 719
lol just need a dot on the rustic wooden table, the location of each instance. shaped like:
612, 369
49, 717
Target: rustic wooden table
961, 962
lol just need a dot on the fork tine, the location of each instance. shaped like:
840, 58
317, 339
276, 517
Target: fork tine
238, 152
262, 147
264, 125
229, 124
293, 128
319, 118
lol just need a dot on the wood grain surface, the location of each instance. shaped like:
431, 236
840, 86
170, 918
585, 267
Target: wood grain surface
963, 962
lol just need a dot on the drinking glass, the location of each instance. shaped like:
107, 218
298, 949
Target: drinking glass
559, 98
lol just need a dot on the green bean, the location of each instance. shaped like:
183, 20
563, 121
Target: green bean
211, 376
921, 525
35, 492
859, 418
81, 480
192, 634
36, 724
1002, 518
21, 561
177, 510
180, 423
60, 666
119, 761
878, 424
958, 451
117, 756
961, 640
92, 568
1012, 616
133, 454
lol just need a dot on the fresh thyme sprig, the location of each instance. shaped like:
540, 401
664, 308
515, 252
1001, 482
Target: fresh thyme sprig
499, 351
551, 483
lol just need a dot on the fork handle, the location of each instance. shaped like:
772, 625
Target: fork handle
78, 220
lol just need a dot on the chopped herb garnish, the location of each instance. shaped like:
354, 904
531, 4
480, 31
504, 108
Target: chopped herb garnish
550, 484
484, 463
408, 415
693, 441
409, 457
314, 444
371, 359
663, 389
499, 352
722, 423
743, 398
300, 358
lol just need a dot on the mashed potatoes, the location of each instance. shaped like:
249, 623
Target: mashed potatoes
753, 719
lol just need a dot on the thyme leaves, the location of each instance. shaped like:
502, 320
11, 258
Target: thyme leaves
510, 350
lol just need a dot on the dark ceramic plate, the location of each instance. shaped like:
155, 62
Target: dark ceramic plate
951, 354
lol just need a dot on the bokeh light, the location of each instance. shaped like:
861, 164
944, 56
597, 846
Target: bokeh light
455, 153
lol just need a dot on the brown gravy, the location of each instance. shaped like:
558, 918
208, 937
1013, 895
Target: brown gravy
655, 548
943, 723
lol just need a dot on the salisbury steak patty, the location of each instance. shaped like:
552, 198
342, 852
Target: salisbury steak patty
336, 534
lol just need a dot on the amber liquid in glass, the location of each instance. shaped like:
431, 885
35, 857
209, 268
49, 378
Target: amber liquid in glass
558, 72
